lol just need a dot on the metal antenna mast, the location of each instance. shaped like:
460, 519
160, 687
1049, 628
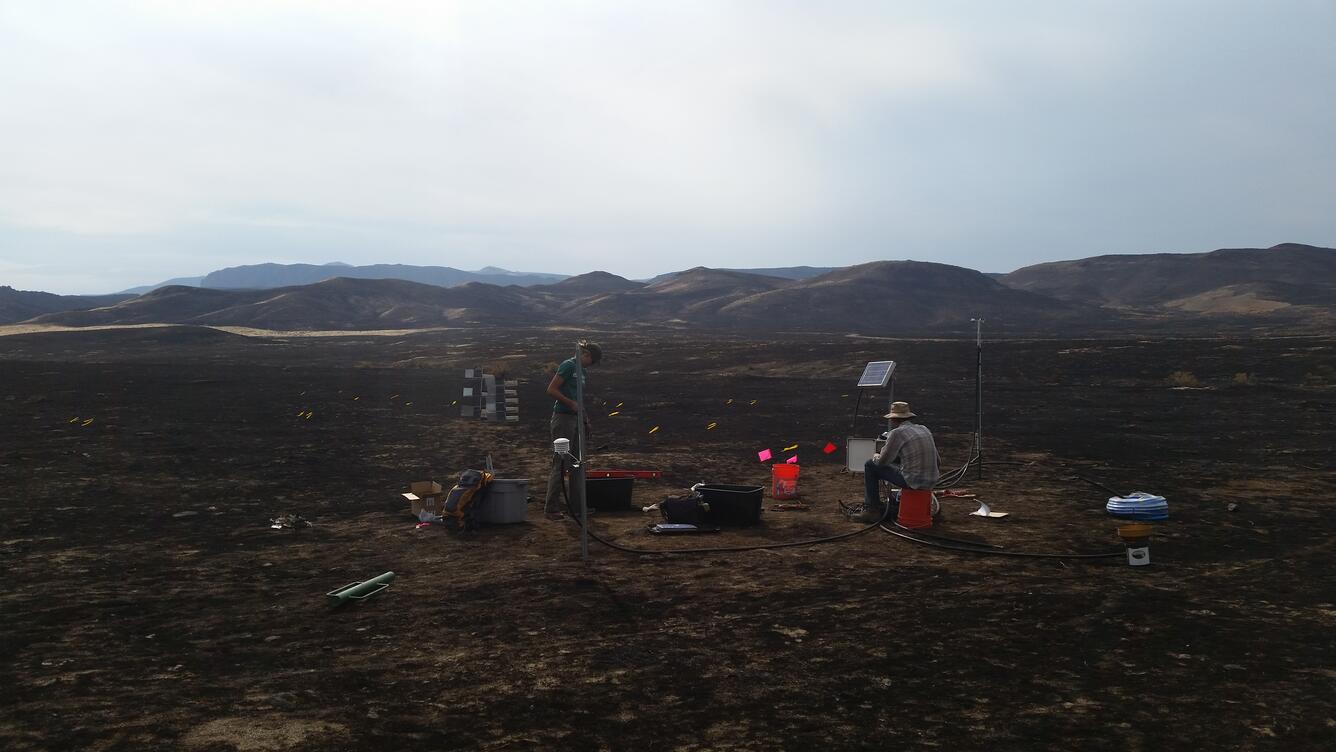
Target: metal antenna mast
578, 472
978, 392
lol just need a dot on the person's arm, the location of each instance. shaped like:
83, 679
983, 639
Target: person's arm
554, 391
894, 443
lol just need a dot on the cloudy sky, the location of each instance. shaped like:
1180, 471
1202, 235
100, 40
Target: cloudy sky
146, 140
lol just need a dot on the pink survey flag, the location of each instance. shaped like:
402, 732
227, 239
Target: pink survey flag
763, 455
792, 460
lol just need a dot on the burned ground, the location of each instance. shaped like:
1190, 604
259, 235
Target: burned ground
148, 605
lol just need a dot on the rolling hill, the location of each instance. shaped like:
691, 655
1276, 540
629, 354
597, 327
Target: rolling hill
1227, 281
21, 305
334, 304
693, 296
903, 297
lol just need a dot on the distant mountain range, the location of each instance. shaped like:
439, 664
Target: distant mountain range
269, 276
1290, 287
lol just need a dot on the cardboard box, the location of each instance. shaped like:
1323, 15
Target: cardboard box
425, 494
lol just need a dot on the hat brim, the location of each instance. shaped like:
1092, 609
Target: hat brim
902, 417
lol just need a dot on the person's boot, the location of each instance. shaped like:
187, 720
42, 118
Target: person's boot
869, 514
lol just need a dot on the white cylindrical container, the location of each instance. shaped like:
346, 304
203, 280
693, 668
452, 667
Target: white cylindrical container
561, 446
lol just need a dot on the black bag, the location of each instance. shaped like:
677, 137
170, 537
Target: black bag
684, 510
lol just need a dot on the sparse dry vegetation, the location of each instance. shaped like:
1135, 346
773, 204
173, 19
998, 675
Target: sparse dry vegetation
1182, 378
1323, 375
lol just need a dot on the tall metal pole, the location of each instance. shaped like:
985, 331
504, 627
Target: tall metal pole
978, 393
890, 401
578, 472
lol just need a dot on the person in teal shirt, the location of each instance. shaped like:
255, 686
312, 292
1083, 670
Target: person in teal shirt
566, 419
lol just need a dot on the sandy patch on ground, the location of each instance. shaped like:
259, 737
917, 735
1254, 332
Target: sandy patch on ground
262, 734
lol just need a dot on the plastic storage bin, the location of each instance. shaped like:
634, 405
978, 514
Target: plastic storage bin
609, 494
732, 505
506, 502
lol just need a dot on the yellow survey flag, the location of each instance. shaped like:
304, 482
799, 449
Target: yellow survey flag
652, 430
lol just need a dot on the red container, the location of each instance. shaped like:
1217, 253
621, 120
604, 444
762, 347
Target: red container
915, 508
783, 481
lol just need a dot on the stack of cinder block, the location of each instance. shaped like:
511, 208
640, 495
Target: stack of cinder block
468, 405
488, 399
512, 400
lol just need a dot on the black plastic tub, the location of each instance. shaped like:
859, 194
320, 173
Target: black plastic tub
738, 506
609, 494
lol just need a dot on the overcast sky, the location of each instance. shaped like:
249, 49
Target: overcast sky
146, 140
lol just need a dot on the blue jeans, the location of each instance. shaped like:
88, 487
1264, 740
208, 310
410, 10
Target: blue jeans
872, 475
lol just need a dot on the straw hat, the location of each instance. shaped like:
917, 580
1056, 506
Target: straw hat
899, 410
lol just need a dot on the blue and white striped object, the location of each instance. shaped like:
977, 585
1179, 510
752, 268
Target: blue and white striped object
1138, 506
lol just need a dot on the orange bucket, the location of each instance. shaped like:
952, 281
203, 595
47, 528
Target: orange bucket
915, 508
783, 481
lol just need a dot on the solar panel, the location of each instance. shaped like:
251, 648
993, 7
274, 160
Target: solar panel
877, 373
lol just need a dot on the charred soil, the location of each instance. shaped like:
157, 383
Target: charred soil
148, 604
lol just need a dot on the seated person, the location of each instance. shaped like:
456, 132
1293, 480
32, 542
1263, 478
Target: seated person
908, 460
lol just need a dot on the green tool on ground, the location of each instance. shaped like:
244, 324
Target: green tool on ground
359, 591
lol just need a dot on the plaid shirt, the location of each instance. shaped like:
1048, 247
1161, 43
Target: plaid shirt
910, 448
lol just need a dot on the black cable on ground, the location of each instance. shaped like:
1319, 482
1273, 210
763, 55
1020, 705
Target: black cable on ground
1097, 484
993, 552
961, 541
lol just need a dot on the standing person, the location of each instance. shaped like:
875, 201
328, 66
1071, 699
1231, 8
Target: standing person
908, 460
567, 417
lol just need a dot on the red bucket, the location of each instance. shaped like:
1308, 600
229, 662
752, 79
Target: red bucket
915, 508
783, 481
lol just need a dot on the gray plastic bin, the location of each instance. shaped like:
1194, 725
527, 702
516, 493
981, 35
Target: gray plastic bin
507, 502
